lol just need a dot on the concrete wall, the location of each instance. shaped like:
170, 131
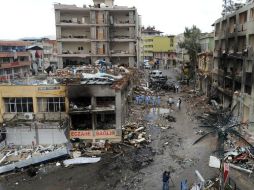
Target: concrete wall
27, 135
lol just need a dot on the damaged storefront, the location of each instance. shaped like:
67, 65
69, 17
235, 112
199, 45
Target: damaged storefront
33, 114
96, 111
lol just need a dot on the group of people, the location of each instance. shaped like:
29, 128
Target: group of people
148, 100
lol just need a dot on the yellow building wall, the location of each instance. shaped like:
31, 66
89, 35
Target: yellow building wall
33, 92
163, 44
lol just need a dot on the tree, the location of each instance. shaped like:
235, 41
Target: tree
230, 6
223, 124
191, 44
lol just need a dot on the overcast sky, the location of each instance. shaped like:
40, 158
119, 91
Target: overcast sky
35, 18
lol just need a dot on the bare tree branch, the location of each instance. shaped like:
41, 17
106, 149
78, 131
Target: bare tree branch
205, 135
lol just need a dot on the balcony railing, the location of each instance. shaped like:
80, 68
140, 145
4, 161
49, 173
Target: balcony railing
15, 64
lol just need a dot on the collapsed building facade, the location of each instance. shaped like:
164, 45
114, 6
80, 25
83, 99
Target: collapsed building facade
205, 64
233, 61
103, 31
15, 61
85, 106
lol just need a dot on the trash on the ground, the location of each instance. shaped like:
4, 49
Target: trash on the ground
26, 157
214, 162
76, 154
169, 118
81, 160
200, 132
134, 134
241, 169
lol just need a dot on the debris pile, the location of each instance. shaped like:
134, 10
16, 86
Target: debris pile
17, 157
90, 149
242, 158
169, 118
135, 134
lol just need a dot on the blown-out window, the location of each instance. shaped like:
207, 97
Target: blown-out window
51, 104
14, 105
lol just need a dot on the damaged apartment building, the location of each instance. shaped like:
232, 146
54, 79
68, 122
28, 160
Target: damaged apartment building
234, 61
56, 110
205, 64
103, 31
15, 61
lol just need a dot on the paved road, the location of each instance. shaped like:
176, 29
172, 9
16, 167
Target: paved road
179, 155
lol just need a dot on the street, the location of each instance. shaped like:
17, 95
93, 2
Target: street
171, 149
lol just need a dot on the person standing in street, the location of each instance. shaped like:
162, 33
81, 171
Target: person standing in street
165, 180
170, 102
176, 88
179, 101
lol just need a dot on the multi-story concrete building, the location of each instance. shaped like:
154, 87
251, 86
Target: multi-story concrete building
205, 63
147, 35
48, 113
157, 46
233, 60
103, 31
43, 52
15, 61
49, 51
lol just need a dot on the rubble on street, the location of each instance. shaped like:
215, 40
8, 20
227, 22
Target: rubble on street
16, 158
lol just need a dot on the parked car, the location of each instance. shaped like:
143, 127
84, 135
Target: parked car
156, 73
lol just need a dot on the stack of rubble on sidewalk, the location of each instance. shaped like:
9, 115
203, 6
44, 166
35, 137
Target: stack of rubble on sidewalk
197, 102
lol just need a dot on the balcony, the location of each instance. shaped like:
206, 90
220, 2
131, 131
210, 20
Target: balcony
122, 38
81, 54
15, 64
123, 23
242, 27
121, 53
232, 28
12, 54
74, 39
64, 24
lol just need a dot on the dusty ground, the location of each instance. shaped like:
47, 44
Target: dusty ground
135, 169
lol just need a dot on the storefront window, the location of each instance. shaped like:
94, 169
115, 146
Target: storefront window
14, 105
52, 104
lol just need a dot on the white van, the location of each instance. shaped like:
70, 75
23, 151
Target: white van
156, 73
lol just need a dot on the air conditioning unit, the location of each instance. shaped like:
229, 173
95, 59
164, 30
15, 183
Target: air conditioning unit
29, 116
